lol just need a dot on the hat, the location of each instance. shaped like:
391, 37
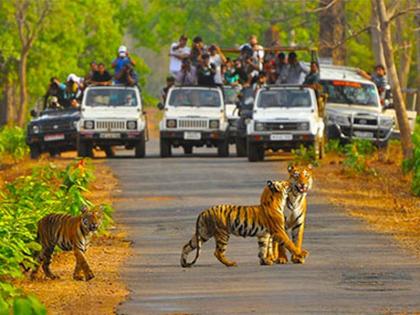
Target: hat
122, 51
72, 77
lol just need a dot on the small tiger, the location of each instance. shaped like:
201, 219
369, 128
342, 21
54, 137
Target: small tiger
261, 221
69, 233
300, 179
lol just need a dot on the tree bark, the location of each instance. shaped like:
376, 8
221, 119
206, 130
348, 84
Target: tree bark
404, 50
332, 31
23, 94
375, 35
417, 36
399, 104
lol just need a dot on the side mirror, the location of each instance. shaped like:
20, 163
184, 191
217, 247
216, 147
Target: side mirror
34, 113
160, 106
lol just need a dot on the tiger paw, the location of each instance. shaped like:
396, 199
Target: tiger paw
298, 260
282, 260
77, 277
53, 276
266, 262
90, 276
231, 264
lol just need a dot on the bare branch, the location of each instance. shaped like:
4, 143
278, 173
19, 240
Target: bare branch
353, 35
403, 12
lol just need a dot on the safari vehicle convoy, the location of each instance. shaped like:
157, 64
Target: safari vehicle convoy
194, 116
284, 118
53, 130
112, 116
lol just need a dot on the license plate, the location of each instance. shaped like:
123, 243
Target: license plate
363, 134
281, 137
188, 135
110, 136
55, 137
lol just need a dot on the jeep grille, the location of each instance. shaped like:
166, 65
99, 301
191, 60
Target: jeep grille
110, 125
192, 124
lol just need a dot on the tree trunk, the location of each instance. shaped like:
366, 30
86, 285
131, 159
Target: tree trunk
23, 92
399, 104
332, 31
404, 51
375, 35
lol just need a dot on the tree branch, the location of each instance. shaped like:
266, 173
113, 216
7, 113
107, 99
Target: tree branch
403, 12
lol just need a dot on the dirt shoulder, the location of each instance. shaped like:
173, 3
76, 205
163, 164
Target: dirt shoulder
384, 201
105, 256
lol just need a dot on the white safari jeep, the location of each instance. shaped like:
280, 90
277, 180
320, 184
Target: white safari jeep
353, 107
194, 116
112, 116
284, 118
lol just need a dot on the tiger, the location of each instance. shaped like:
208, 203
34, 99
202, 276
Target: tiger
300, 180
261, 221
68, 233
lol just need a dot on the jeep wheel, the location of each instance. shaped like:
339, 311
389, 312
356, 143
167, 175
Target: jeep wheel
165, 148
54, 152
255, 152
223, 148
188, 149
140, 148
84, 149
109, 152
35, 151
240, 147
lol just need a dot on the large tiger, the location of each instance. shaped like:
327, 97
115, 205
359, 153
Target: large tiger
300, 179
262, 221
69, 233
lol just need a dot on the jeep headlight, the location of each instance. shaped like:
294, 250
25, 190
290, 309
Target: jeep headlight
303, 126
171, 123
339, 120
387, 122
131, 125
35, 129
214, 124
259, 126
89, 124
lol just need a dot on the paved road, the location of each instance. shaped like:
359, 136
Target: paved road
350, 270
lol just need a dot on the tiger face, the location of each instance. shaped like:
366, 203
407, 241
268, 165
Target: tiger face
300, 177
91, 220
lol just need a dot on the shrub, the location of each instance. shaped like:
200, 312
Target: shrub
12, 142
356, 155
413, 165
304, 156
334, 146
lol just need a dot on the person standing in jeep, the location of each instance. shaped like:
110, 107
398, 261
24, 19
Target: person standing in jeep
206, 72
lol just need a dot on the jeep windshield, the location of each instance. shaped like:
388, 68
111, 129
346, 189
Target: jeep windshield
284, 98
111, 97
195, 98
350, 93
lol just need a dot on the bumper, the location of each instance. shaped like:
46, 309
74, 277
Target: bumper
194, 137
111, 138
361, 132
271, 142
63, 141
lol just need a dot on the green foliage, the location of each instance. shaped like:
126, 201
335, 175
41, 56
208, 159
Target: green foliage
12, 142
334, 146
305, 156
356, 157
24, 202
413, 165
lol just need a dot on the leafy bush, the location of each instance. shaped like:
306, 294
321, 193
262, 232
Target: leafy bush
12, 142
24, 202
413, 165
334, 146
304, 156
356, 154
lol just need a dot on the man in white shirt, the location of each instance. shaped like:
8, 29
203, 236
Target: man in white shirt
258, 50
179, 51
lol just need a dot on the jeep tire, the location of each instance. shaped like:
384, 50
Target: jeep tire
84, 148
35, 151
223, 148
255, 152
165, 148
140, 147
240, 147
188, 149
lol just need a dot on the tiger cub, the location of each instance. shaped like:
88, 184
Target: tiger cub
69, 233
300, 179
260, 221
